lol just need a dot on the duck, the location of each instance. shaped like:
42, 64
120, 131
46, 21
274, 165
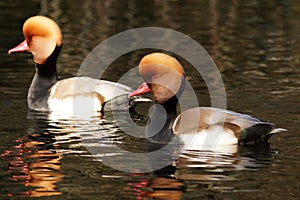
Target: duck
43, 39
164, 78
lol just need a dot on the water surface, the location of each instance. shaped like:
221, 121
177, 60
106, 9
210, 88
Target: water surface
255, 45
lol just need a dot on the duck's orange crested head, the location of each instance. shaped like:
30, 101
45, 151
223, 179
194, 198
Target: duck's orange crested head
157, 63
42, 35
163, 75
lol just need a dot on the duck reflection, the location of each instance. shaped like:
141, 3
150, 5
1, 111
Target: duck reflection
34, 163
212, 169
163, 186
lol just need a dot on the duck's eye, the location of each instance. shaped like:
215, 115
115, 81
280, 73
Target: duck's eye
33, 38
155, 77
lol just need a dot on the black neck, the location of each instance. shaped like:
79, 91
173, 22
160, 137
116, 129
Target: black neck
165, 134
48, 69
159, 126
45, 76
170, 106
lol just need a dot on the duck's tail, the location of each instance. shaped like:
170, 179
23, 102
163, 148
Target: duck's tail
259, 133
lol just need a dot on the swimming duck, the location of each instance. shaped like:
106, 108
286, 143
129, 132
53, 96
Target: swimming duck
164, 78
43, 38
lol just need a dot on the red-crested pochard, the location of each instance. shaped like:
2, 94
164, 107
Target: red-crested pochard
43, 38
165, 79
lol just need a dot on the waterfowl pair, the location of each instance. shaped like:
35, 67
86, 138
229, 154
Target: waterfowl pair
165, 79
43, 38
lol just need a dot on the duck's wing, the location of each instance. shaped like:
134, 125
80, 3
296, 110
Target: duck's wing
202, 117
245, 127
88, 86
111, 90
114, 95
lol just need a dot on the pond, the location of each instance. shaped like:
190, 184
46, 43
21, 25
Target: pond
255, 46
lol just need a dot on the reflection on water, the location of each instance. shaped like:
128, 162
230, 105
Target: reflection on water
34, 164
255, 44
162, 186
214, 171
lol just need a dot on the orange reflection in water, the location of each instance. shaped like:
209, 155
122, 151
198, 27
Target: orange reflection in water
158, 188
214, 171
34, 165
163, 186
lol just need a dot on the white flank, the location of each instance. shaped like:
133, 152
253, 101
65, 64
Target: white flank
81, 107
212, 139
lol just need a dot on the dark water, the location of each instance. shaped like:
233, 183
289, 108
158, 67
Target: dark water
255, 45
